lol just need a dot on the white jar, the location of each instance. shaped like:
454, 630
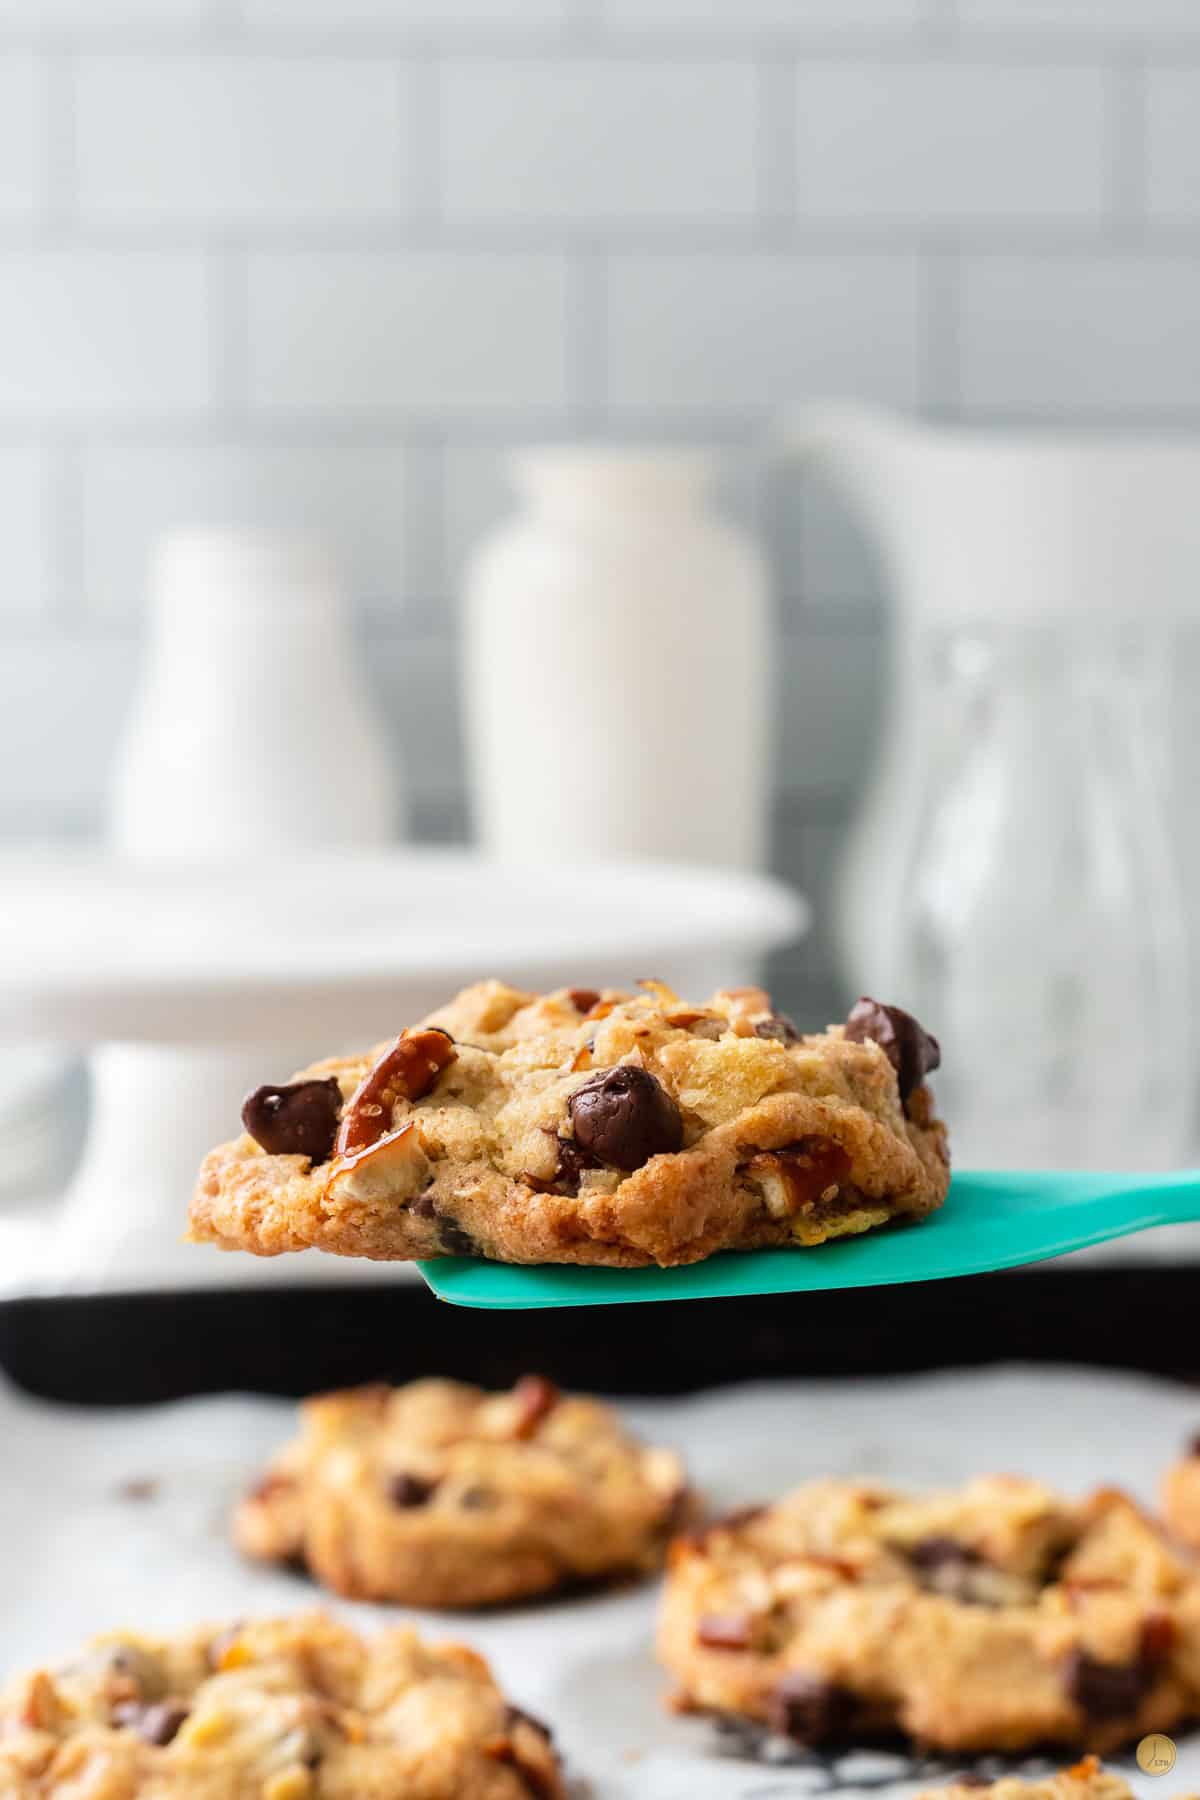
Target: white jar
615, 665
251, 730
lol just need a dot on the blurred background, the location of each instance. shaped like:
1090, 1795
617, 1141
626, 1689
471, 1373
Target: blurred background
323, 264
322, 261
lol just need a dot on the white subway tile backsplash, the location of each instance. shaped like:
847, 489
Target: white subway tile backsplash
93, 18
318, 260
760, 332
1095, 334
1124, 19
352, 496
476, 495
416, 682
114, 332
951, 140
1173, 144
829, 688
62, 700
791, 17
595, 140
423, 330
24, 135
239, 137
24, 534
407, 15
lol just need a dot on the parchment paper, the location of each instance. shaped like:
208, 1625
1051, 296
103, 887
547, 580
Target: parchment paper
79, 1555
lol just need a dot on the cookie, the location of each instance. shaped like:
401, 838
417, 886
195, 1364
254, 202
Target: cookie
297, 1709
998, 1617
437, 1494
1085, 1780
577, 1127
1181, 1496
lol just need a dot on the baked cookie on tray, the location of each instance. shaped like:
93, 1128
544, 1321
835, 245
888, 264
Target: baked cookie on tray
579, 1127
296, 1709
1086, 1780
997, 1617
437, 1494
1181, 1496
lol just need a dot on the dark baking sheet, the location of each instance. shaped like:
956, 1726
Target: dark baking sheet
142, 1347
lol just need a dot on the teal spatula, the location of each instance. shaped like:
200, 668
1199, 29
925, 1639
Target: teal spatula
990, 1221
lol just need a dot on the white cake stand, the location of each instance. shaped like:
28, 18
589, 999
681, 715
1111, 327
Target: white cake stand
197, 983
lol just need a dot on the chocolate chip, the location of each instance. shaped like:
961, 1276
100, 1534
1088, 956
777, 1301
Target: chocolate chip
935, 1553
1107, 1690
808, 1709
477, 1499
1193, 1445
452, 1239
582, 999
910, 1050
572, 1161
624, 1116
156, 1724
725, 1631
777, 1025
409, 1490
300, 1119
944, 1566
1158, 1639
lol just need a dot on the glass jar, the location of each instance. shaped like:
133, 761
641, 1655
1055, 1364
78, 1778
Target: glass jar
1042, 921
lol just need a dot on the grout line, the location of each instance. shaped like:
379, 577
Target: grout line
62, 147
583, 31
776, 145
939, 378
384, 234
229, 332
64, 513
426, 550
586, 301
941, 27
1128, 150
421, 77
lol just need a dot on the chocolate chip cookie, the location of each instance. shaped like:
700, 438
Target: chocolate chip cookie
582, 1127
297, 1709
1086, 1780
997, 1617
437, 1494
1181, 1496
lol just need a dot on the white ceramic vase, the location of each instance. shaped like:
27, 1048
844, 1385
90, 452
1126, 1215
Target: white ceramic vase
615, 665
252, 739
252, 729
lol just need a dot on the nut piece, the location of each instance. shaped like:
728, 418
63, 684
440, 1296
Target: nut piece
395, 1168
535, 1397
624, 1116
406, 1071
300, 1119
910, 1049
799, 1175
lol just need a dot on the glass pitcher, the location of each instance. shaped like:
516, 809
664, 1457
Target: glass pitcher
1041, 923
